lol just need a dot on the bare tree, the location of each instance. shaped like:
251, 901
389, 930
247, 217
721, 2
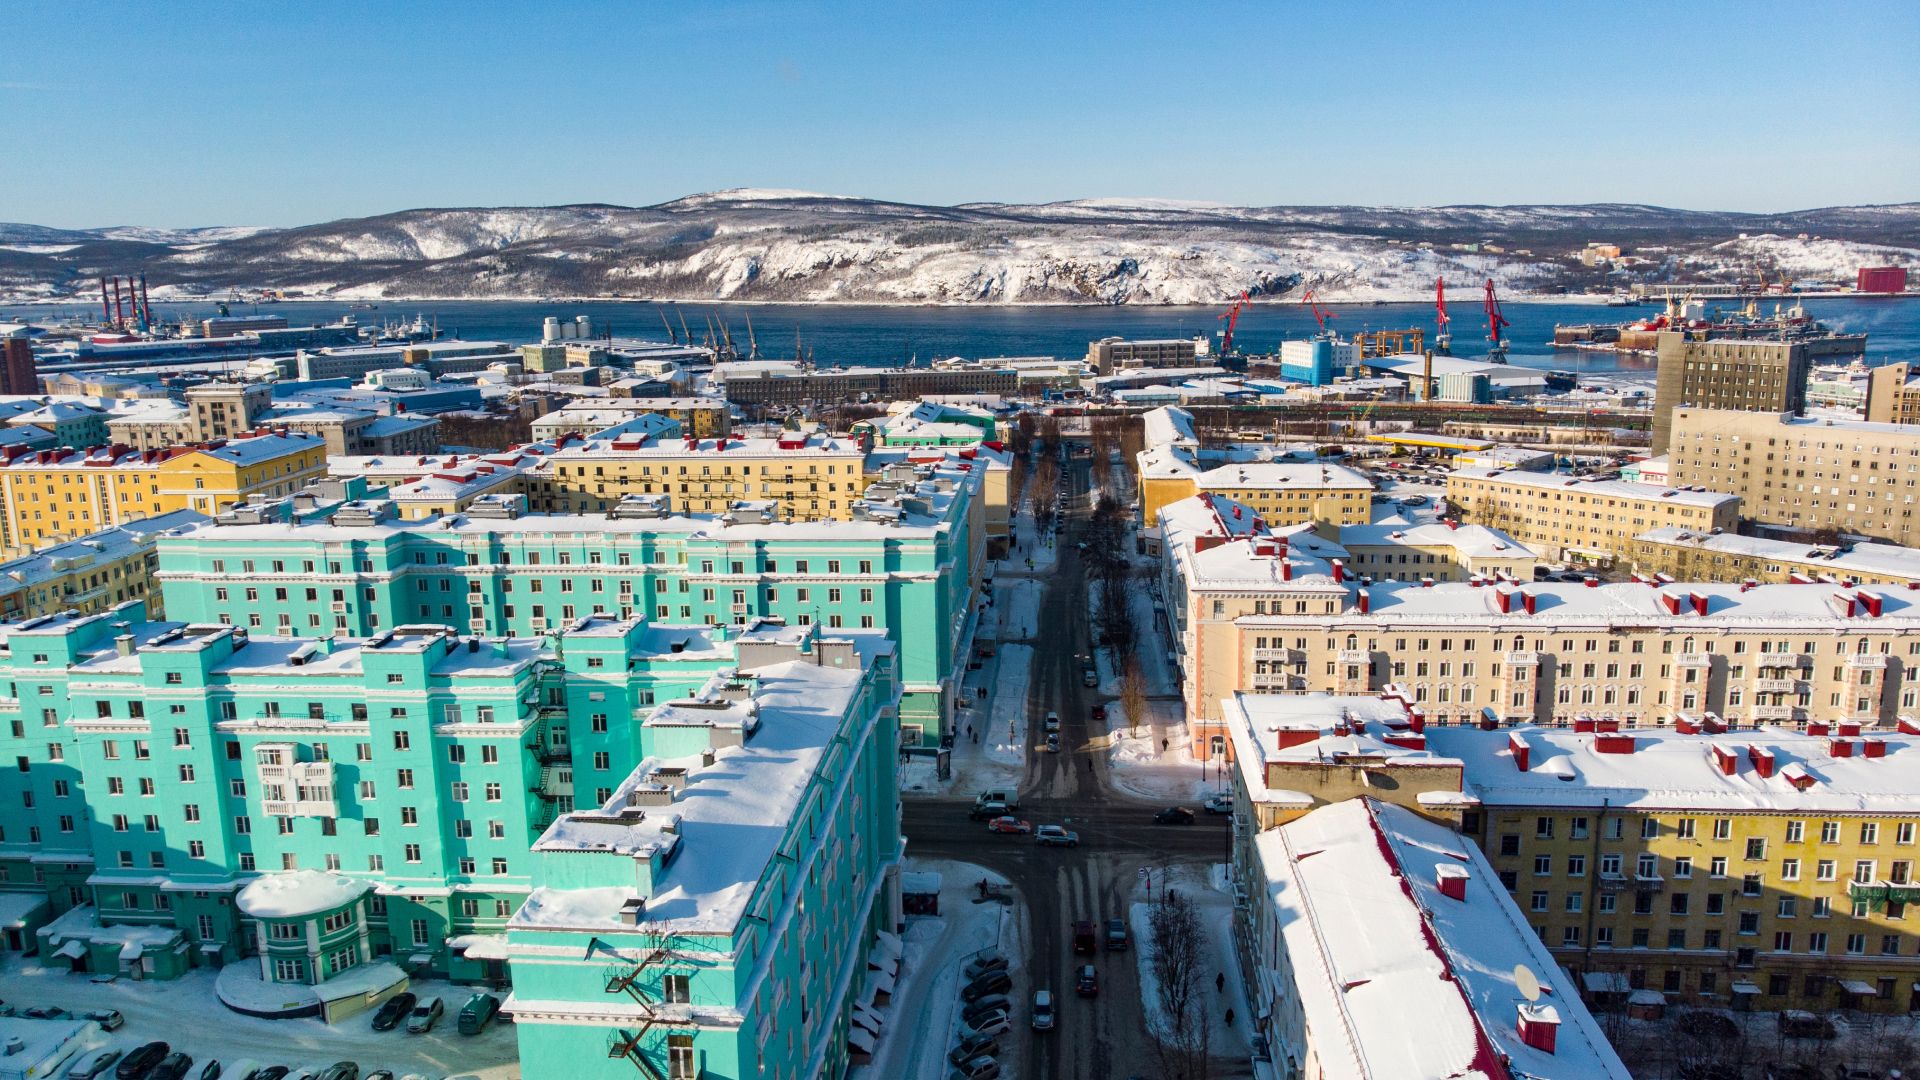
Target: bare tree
1042, 489
1133, 695
1184, 1035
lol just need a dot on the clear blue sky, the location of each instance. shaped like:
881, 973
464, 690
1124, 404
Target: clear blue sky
287, 112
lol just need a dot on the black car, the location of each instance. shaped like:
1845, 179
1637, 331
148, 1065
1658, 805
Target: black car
212, 1071
271, 1072
94, 1065
172, 1067
993, 982
341, 1070
139, 1063
1174, 815
393, 1011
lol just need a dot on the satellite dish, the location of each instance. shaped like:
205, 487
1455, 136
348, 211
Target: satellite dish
1527, 981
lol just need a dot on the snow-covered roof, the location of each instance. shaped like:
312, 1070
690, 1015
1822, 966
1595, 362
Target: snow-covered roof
1559, 604
1880, 560
1468, 541
717, 451
1169, 426
1607, 489
726, 820
1319, 728
294, 893
108, 544
1669, 769
1400, 982
1175, 462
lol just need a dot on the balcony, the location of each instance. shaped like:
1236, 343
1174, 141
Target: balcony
1878, 894
1765, 714
1648, 883
1778, 686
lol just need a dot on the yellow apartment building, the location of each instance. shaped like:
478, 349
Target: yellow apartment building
1750, 868
53, 496
1690, 556
813, 477
1566, 519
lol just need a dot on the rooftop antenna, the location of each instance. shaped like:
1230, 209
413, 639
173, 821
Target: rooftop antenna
1527, 982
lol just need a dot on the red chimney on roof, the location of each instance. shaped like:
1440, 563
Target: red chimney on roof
1452, 879
1727, 761
1761, 759
1521, 750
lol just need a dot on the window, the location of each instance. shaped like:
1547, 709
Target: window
675, 989
1756, 849
680, 1062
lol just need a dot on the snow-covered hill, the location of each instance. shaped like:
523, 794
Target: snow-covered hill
778, 245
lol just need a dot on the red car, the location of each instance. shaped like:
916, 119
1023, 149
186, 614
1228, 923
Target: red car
1010, 825
1099, 713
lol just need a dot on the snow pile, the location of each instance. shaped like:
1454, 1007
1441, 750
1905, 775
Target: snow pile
296, 893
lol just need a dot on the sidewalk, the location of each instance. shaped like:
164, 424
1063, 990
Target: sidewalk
1215, 911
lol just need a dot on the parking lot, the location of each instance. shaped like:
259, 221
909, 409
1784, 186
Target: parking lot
185, 1014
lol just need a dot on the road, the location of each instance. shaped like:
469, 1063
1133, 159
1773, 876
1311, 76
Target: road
1103, 1038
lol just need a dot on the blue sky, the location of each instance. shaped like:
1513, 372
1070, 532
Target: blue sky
286, 113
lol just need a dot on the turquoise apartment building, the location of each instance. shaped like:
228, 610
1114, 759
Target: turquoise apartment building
322, 817
729, 909
909, 563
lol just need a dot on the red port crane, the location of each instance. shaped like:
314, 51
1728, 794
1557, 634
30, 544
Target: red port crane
1495, 321
1320, 312
1232, 317
1443, 321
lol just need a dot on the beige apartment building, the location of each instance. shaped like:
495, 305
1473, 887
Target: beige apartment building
1733, 373
1287, 492
1893, 395
1563, 518
1640, 654
1691, 556
1849, 477
812, 476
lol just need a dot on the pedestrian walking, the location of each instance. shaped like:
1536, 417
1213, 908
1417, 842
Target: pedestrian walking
1163, 746
1229, 1017
1220, 982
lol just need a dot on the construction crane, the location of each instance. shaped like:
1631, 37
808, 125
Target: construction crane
1495, 323
1443, 340
671, 336
1320, 312
1231, 317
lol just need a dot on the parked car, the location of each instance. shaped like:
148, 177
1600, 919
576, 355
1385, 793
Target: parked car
972, 1046
1796, 1024
141, 1061
108, 1019
1099, 713
990, 1024
987, 811
982, 964
1010, 825
1414, 500
1219, 803
46, 1012
1052, 722
475, 1015
393, 1010
1857, 1071
426, 1012
93, 1065
993, 982
1117, 938
379, 1074
341, 1070
1087, 982
1083, 937
1174, 815
985, 1007
1043, 1010
1706, 1023
271, 1072
172, 1067
1055, 836
211, 1070
980, 1068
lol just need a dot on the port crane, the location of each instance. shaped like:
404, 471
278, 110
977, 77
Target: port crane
1232, 318
1443, 340
1495, 323
1320, 312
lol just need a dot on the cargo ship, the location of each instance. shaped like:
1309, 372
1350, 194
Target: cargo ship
1642, 336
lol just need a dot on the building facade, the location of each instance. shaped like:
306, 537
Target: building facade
812, 477
1567, 519
98, 571
1845, 477
909, 565
729, 909
52, 496
1744, 374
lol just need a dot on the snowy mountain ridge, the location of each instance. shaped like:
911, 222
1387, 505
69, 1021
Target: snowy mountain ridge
779, 245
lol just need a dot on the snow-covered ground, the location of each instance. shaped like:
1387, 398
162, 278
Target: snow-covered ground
925, 1011
1141, 764
1017, 602
1152, 652
185, 1013
1033, 547
990, 748
1206, 887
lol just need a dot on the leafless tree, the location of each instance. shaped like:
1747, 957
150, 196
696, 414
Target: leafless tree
1042, 489
1184, 1036
496, 432
1133, 695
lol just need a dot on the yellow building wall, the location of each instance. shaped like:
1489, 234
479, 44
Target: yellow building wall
807, 488
1690, 950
